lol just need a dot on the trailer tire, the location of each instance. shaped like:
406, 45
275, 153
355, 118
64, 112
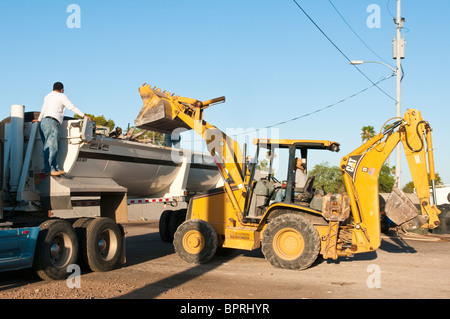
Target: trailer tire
169, 222
195, 241
164, 226
80, 226
56, 248
103, 246
290, 241
176, 218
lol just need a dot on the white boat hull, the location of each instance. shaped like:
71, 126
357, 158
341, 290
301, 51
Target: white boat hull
145, 170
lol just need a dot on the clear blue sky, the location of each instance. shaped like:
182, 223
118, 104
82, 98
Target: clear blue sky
266, 57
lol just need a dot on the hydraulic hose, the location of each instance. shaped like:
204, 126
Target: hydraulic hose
420, 138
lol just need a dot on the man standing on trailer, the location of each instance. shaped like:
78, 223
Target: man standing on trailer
51, 117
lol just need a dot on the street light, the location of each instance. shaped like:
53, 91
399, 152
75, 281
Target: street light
397, 72
359, 62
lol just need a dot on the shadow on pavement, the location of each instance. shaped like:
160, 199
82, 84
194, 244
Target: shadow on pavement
159, 287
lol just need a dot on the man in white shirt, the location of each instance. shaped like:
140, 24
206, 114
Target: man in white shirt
51, 117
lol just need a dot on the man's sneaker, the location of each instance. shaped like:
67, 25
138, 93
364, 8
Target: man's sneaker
55, 173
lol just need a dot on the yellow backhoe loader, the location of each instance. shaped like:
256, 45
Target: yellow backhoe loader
291, 224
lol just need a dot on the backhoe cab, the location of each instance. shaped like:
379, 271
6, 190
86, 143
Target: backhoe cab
291, 222
266, 193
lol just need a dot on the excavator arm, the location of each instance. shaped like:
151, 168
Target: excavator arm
361, 169
164, 112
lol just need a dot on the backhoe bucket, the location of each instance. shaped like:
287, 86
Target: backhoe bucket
399, 208
157, 114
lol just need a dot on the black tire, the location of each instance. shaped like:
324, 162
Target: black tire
290, 241
164, 227
80, 226
175, 220
169, 222
182, 216
82, 222
195, 241
103, 245
56, 248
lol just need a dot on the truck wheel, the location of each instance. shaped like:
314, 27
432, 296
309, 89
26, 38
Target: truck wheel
290, 241
195, 241
169, 222
175, 220
103, 244
56, 248
80, 226
164, 226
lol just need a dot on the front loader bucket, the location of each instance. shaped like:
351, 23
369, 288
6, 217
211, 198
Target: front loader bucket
399, 208
157, 114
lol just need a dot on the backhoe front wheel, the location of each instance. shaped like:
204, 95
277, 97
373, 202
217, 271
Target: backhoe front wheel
291, 241
195, 241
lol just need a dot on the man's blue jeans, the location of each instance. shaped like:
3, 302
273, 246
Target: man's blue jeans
49, 131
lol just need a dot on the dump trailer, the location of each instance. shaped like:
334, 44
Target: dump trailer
104, 170
293, 225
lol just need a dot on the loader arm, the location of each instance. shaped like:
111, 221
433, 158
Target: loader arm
361, 169
165, 112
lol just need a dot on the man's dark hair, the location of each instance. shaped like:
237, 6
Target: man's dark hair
58, 86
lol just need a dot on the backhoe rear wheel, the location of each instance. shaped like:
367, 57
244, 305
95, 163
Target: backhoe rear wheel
195, 241
290, 241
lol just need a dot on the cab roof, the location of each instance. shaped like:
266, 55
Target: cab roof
299, 144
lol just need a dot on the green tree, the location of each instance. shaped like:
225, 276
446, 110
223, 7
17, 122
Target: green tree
150, 136
101, 121
438, 181
409, 187
367, 132
328, 177
331, 179
386, 180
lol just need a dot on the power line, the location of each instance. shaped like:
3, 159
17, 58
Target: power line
328, 106
387, 7
340, 51
363, 42
356, 34
313, 112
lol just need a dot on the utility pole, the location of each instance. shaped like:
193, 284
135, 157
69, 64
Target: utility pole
399, 54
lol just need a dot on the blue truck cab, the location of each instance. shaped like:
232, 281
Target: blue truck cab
17, 246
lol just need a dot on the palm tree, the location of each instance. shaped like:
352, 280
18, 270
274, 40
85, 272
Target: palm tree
367, 132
